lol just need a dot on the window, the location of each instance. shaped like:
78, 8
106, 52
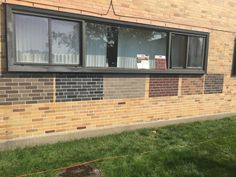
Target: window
30, 29
48, 41
65, 42
96, 39
187, 51
112, 46
41, 40
196, 52
178, 51
132, 42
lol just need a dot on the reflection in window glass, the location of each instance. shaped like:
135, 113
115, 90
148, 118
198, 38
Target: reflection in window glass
65, 42
56, 41
132, 42
178, 50
112, 39
196, 51
31, 39
96, 39
109, 46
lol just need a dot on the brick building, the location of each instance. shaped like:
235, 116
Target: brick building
70, 66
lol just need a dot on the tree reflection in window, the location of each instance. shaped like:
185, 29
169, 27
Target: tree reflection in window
65, 42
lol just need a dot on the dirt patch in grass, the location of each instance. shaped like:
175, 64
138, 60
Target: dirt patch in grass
80, 171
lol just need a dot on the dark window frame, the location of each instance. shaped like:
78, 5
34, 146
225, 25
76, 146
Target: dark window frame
187, 51
234, 60
186, 54
29, 67
49, 63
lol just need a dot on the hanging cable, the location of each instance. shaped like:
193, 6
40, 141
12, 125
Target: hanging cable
111, 6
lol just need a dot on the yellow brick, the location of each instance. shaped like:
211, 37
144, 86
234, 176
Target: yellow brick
208, 16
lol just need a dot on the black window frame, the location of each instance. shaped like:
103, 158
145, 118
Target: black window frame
50, 18
187, 51
170, 48
234, 60
30, 67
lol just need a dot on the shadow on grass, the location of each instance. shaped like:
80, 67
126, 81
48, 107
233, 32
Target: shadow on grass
199, 165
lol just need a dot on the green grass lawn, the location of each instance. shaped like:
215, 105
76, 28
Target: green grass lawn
200, 149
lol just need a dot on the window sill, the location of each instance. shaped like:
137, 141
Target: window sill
76, 69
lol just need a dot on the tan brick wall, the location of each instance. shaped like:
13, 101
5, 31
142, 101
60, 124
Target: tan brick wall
208, 14
215, 16
39, 119
192, 85
124, 86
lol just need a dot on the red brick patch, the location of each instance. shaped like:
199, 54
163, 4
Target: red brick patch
163, 86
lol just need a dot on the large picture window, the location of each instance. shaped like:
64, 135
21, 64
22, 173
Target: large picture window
42, 40
112, 46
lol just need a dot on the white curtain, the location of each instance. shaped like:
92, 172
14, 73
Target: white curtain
65, 58
96, 39
137, 41
196, 50
65, 42
31, 39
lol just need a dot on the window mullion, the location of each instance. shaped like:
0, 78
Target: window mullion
187, 52
204, 53
112, 35
50, 40
169, 50
83, 44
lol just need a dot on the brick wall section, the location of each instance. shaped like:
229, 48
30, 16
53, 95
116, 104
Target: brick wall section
215, 17
214, 83
124, 86
77, 87
163, 86
25, 89
192, 85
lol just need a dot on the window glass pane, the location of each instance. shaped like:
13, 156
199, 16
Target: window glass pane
178, 50
65, 42
196, 51
96, 39
31, 39
133, 42
112, 34
109, 46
